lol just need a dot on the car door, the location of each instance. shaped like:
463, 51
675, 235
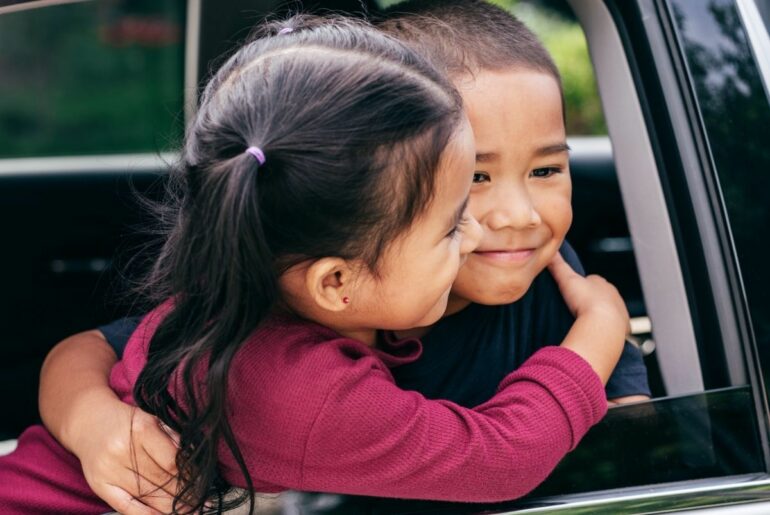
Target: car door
685, 91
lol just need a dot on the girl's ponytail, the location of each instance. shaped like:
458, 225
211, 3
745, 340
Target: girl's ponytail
224, 285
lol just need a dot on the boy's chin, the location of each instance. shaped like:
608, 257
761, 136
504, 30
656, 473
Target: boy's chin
503, 294
489, 290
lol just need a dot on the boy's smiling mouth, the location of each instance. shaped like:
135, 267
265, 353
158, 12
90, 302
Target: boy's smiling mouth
517, 255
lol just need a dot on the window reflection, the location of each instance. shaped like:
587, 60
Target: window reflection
91, 78
736, 115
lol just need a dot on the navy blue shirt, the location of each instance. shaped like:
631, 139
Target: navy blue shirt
466, 355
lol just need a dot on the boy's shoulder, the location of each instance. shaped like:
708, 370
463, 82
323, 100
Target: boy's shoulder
571, 257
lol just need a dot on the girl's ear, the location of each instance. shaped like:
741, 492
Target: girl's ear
329, 282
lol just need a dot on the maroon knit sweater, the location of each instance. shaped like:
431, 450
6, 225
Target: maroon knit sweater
312, 410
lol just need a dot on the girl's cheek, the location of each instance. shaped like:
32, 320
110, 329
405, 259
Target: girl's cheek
480, 203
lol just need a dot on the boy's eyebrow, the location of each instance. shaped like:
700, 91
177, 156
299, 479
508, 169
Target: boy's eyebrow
552, 149
488, 157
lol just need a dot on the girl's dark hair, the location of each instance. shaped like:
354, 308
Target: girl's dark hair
352, 124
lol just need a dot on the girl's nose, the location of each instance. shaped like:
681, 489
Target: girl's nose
471, 235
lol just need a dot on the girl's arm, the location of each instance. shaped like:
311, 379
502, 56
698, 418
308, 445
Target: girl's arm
371, 438
80, 409
342, 425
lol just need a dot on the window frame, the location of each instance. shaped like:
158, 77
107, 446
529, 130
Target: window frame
643, 195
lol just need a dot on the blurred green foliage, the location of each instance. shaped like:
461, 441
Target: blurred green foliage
565, 41
107, 77
91, 78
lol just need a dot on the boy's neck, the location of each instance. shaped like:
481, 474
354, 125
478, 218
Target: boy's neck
455, 304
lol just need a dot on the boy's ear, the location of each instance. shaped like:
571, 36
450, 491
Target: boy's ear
329, 281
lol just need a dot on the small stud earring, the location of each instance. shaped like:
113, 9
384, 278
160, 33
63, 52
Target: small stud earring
345, 300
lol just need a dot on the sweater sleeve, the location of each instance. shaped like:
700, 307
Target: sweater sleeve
372, 438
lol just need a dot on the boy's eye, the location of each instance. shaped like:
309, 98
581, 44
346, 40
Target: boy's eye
545, 172
480, 177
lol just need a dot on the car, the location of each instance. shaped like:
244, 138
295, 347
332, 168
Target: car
670, 205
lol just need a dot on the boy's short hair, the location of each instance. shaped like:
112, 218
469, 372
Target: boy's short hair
466, 36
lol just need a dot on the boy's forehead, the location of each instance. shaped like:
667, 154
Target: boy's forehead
513, 107
503, 93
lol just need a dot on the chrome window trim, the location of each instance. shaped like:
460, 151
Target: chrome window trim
648, 218
191, 58
729, 491
27, 6
118, 164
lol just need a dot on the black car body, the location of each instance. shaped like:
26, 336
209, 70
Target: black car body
671, 206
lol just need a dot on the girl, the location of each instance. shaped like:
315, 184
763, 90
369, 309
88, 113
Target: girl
330, 167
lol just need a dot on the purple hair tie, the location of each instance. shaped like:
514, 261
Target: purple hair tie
285, 30
257, 153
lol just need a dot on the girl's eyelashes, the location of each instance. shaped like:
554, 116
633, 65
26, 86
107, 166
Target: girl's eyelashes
545, 172
456, 229
479, 177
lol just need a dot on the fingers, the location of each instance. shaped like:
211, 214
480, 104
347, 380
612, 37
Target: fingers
152, 476
126, 504
170, 432
129, 492
136, 472
157, 457
159, 497
560, 269
155, 450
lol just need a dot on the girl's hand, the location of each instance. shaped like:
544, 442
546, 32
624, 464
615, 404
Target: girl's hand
128, 459
584, 295
601, 324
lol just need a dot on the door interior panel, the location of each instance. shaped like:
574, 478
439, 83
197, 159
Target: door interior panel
59, 268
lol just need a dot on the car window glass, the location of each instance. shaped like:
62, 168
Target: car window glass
92, 78
735, 111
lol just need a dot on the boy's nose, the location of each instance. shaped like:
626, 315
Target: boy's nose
514, 211
471, 235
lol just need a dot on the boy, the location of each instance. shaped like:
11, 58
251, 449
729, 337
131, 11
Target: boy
503, 307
